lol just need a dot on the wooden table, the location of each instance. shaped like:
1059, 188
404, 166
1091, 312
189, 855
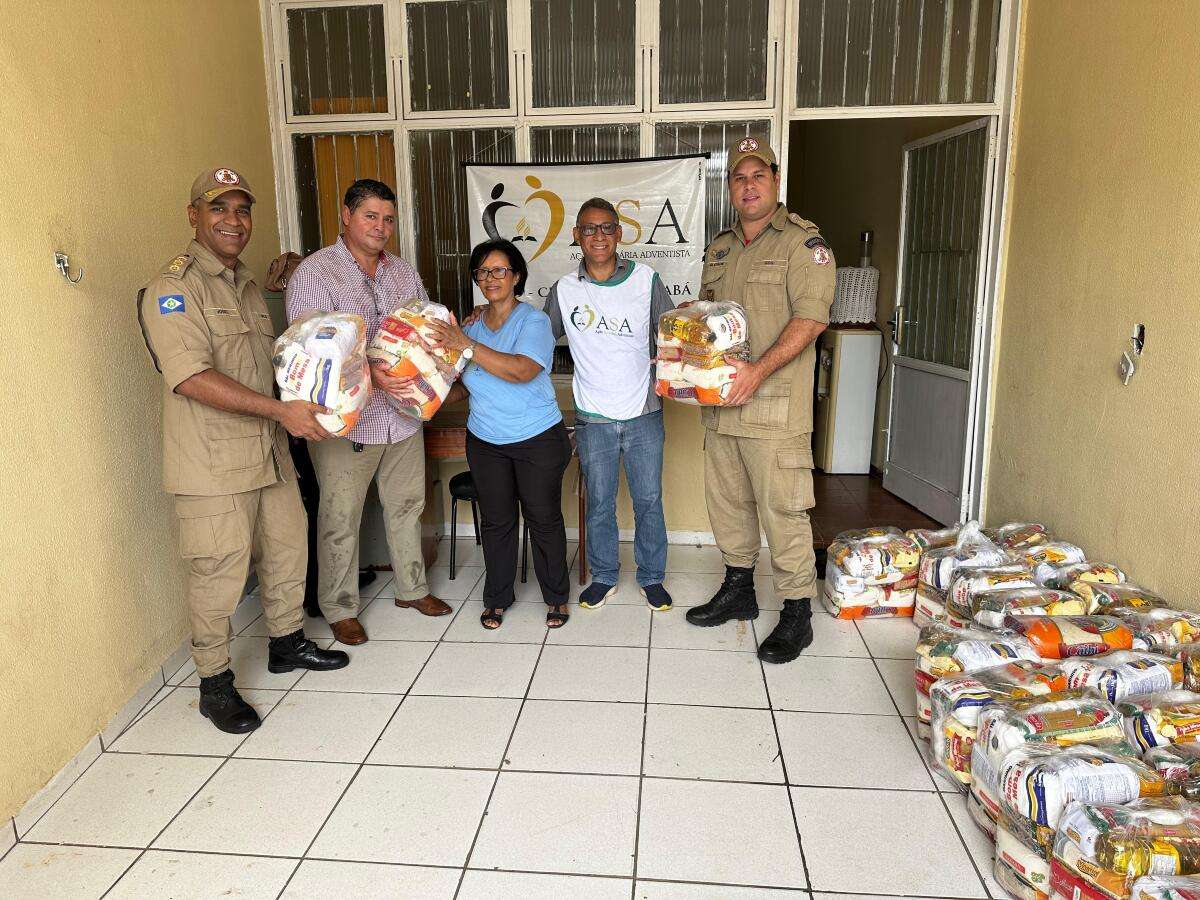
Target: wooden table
446, 441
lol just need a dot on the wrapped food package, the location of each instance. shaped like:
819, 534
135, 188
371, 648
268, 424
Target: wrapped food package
1022, 866
1059, 637
957, 701
980, 803
321, 358
992, 609
1046, 559
404, 346
1179, 764
929, 606
1116, 599
1123, 674
1018, 535
1166, 887
1189, 656
1038, 782
934, 538
1172, 717
695, 345
1095, 573
870, 572
1101, 849
1163, 629
971, 580
939, 566
942, 651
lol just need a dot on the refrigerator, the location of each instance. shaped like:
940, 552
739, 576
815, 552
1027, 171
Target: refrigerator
844, 410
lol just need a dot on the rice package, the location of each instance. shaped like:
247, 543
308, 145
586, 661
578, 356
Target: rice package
1022, 866
993, 608
933, 538
404, 346
695, 345
1096, 573
1046, 559
870, 572
1017, 535
1163, 629
1038, 782
958, 700
1059, 637
321, 358
1166, 887
1117, 599
1123, 674
1172, 717
942, 651
938, 566
971, 580
1101, 850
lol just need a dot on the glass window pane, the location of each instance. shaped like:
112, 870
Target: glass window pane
584, 143
338, 61
712, 51
475, 74
327, 164
439, 198
901, 53
676, 138
584, 53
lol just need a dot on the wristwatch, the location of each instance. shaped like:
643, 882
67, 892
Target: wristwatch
468, 353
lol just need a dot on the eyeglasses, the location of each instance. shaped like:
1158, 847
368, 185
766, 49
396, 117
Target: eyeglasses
606, 227
499, 272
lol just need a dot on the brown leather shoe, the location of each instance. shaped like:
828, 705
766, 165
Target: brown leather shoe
349, 631
428, 605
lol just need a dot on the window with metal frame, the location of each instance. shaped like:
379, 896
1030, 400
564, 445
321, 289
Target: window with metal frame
896, 52
713, 51
457, 55
338, 60
584, 53
585, 143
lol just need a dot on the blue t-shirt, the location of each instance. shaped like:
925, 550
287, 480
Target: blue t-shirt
504, 412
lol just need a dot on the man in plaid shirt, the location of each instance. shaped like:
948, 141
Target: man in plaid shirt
355, 274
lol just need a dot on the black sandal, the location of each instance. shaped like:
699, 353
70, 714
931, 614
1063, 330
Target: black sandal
491, 619
555, 619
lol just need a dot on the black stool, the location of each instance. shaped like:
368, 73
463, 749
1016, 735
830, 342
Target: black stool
462, 487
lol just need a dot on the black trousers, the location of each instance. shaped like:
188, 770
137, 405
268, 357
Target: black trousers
525, 476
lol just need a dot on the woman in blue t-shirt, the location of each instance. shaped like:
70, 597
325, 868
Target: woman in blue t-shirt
517, 445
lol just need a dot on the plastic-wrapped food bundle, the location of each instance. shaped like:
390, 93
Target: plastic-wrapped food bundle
1037, 782
934, 538
971, 580
943, 651
1096, 573
971, 549
695, 345
321, 358
1101, 850
957, 702
1172, 717
870, 572
1166, 887
1179, 764
1163, 629
1117, 599
993, 608
1018, 535
1189, 655
1022, 867
1046, 559
1058, 637
1123, 674
929, 606
405, 347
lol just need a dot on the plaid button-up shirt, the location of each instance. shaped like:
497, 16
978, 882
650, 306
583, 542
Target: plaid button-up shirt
331, 281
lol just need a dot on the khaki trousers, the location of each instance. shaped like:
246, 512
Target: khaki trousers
218, 538
752, 480
399, 474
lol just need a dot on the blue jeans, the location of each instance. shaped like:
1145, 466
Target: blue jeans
602, 448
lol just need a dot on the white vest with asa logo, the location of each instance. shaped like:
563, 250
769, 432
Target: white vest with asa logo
608, 330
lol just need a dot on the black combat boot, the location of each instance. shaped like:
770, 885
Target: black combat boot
791, 635
295, 651
221, 704
733, 600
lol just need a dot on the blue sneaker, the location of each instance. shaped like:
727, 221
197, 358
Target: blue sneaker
657, 597
595, 594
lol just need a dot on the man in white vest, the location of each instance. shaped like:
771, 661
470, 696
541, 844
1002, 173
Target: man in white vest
609, 310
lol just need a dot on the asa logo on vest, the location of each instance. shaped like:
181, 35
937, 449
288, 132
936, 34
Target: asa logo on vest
585, 318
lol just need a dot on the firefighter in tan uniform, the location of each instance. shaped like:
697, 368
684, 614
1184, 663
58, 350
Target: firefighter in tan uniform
225, 456
758, 448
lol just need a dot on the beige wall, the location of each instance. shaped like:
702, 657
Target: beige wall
1103, 234
845, 176
109, 111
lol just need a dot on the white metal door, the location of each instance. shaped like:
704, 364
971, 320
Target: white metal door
944, 218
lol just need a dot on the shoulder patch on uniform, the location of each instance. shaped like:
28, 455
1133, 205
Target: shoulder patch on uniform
822, 256
720, 254
170, 303
816, 241
178, 265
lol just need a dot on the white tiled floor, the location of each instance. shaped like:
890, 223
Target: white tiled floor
629, 755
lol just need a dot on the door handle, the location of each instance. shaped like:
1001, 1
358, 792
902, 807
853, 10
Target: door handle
897, 322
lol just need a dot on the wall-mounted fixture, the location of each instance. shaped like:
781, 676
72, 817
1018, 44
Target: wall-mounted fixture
1137, 343
63, 263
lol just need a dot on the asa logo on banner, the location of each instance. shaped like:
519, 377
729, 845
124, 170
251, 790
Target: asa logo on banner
660, 204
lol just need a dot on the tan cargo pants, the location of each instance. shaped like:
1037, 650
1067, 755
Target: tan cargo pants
218, 538
751, 480
399, 474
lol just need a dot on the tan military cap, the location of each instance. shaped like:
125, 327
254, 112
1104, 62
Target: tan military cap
750, 146
212, 183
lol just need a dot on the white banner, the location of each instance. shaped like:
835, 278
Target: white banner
660, 203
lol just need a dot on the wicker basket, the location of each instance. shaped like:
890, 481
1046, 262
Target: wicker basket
855, 296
